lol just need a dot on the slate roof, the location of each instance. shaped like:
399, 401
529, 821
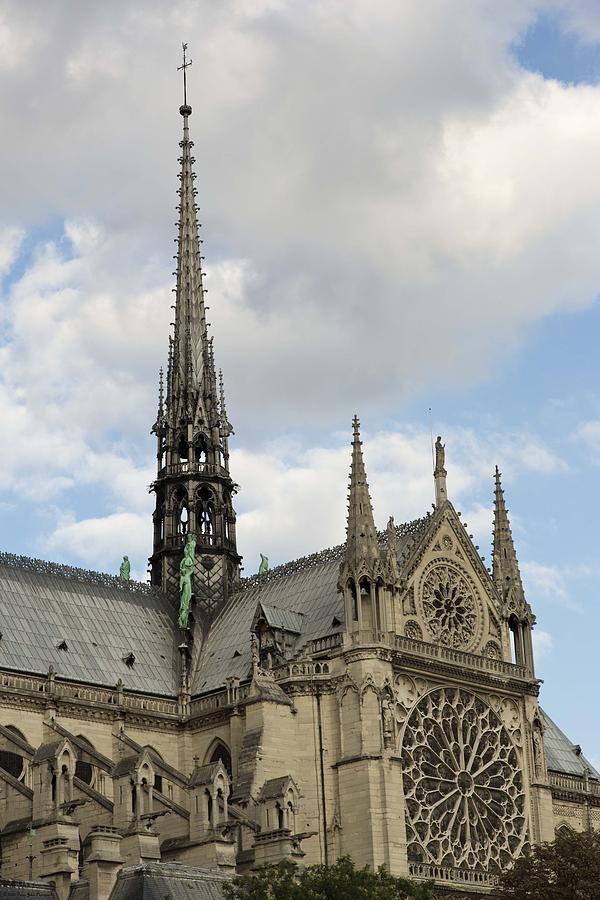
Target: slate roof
155, 881
283, 619
274, 788
306, 586
202, 775
561, 753
26, 890
101, 619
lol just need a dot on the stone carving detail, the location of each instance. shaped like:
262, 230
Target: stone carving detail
465, 805
492, 650
408, 602
537, 743
387, 717
406, 691
447, 542
451, 606
413, 630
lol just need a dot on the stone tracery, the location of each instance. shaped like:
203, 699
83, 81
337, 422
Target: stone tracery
450, 606
465, 805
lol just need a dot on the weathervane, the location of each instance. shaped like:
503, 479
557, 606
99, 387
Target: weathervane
185, 65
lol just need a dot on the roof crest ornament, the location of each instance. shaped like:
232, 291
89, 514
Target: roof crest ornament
184, 67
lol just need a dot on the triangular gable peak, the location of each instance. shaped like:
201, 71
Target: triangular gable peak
448, 595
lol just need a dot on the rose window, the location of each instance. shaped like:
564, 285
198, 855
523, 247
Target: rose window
463, 788
450, 606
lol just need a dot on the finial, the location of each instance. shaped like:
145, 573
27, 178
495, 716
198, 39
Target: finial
439, 473
356, 426
185, 110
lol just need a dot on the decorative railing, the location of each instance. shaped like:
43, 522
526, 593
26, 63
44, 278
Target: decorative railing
51, 687
574, 783
178, 540
304, 669
58, 570
231, 695
459, 657
183, 468
320, 645
331, 554
452, 875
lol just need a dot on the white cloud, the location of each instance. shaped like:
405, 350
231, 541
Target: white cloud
543, 644
588, 434
548, 582
100, 541
10, 243
376, 166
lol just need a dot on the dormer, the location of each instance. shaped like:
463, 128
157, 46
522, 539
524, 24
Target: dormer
53, 770
133, 783
278, 803
209, 788
277, 631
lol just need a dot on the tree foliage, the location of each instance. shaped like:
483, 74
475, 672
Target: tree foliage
566, 869
340, 880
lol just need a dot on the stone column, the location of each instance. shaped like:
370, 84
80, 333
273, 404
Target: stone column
59, 864
102, 860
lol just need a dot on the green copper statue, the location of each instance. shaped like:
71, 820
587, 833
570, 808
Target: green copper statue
186, 571
125, 569
264, 564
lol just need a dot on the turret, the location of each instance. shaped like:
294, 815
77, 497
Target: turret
367, 579
517, 614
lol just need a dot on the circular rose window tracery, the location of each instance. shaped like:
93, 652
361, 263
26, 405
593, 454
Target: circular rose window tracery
450, 606
463, 787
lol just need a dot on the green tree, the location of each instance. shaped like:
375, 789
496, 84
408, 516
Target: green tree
341, 880
566, 869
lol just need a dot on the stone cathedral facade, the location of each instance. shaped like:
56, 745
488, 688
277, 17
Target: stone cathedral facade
377, 699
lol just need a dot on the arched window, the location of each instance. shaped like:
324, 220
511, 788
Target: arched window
205, 513
180, 511
222, 754
11, 763
279, 815
517, 640
182, 449
201, 450
353, 599
158, 780
65, 783
84, 770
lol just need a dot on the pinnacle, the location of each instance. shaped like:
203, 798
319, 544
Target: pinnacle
194, 389
505, 562
362, 546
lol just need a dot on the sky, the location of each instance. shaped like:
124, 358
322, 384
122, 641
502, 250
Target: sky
401, 218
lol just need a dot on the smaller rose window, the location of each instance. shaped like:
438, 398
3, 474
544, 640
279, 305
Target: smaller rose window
450, 606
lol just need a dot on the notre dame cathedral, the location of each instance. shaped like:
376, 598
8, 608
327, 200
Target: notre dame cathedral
377, 699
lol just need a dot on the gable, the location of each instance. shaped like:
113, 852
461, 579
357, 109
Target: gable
449, 597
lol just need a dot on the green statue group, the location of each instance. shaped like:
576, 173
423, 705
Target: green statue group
186, 571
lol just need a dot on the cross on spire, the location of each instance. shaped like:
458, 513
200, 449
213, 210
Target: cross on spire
185, 65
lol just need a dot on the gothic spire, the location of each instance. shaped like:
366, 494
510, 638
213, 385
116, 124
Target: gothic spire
362, 547
507, 575
194, 490
193, 398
